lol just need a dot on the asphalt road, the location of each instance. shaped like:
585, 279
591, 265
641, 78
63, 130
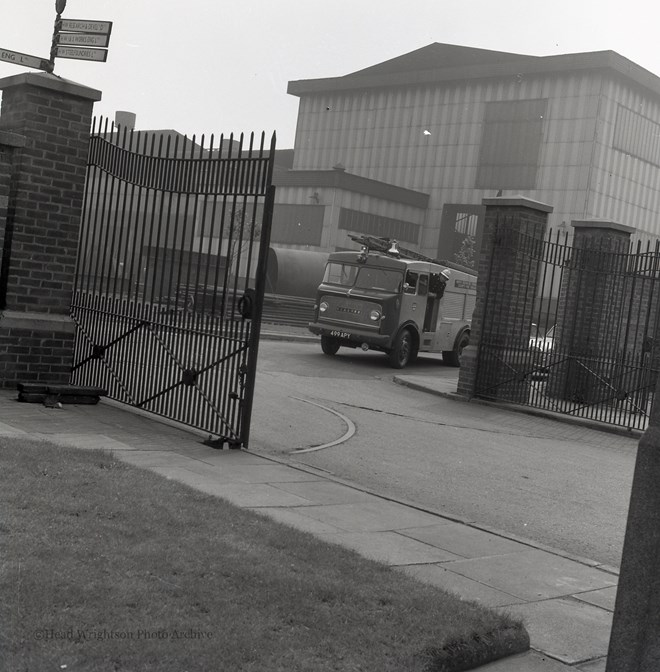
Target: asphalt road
557, 484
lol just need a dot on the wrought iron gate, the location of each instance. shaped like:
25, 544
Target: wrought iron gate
171, 274
581, 333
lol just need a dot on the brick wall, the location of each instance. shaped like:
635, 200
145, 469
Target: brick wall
50, 180
595, 293
30, 351
42, 180
513, 234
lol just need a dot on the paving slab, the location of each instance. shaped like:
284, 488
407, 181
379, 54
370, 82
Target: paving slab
533, 575
531, 661
155, 458
256, 495
191, 448
322, 491
146, 446
466, 589
85, 441
206, 471
262, 473
571, 631
241, 494
222, 457
465, 541
372, 516
199, 480
292, 518
390, 548
603, 598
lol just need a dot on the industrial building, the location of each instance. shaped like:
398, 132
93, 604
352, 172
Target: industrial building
408, 148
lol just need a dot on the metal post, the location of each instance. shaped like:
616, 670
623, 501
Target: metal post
60, 6
260, 288
635, 639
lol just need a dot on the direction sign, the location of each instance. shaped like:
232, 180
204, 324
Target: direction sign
83, 39
17, 58
82, 54
84, 26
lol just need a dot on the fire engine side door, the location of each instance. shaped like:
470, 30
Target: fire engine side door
411, 306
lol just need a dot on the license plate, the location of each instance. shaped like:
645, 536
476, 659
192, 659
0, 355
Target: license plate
340, 334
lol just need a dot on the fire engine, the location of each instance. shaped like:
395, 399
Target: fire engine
388, 298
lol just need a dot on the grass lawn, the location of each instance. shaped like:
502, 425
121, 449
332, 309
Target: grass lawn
110, 567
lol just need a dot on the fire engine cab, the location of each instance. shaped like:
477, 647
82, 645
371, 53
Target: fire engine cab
391, 299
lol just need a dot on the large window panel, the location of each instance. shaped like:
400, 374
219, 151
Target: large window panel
637, 136
511, 144
297, 224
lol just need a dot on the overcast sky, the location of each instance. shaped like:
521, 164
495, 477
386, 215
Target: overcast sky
221, 66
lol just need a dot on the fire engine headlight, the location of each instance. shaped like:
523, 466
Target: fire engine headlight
323, 306
375, 315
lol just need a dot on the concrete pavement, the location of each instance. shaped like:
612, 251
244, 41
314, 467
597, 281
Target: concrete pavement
566, 602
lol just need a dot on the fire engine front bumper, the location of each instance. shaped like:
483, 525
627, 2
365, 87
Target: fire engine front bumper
351, 336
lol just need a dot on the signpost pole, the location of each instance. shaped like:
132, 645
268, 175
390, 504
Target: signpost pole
60, 6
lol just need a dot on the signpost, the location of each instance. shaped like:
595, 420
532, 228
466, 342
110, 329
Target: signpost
28, 61
82, 53
81, 39
84, 26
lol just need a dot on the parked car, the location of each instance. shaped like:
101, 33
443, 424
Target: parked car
542, 343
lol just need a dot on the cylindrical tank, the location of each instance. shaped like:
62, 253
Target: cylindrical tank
294, 272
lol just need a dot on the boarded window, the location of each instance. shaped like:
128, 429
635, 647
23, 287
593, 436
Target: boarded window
511, 144
297, 224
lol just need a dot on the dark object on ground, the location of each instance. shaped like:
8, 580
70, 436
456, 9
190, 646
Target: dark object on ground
51, 395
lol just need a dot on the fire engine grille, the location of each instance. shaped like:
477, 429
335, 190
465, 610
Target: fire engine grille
345, 310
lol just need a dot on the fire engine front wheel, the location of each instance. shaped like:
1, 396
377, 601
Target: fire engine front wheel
453, 357
329, 345
402, 351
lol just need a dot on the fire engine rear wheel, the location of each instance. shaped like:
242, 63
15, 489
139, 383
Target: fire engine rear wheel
401, 353
453, 357
329, 345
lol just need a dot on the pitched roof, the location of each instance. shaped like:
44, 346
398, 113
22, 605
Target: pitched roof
437, 55
438, 63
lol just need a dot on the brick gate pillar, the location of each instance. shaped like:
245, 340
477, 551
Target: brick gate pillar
41, 228
506, 291
588, 316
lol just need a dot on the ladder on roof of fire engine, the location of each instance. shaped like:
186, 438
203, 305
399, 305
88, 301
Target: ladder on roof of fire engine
385, 245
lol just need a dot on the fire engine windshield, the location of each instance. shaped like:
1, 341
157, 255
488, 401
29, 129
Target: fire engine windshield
379, 278
340, 274
363, 277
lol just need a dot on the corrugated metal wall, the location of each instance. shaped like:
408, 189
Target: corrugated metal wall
429, 139
626, 175
332, 201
